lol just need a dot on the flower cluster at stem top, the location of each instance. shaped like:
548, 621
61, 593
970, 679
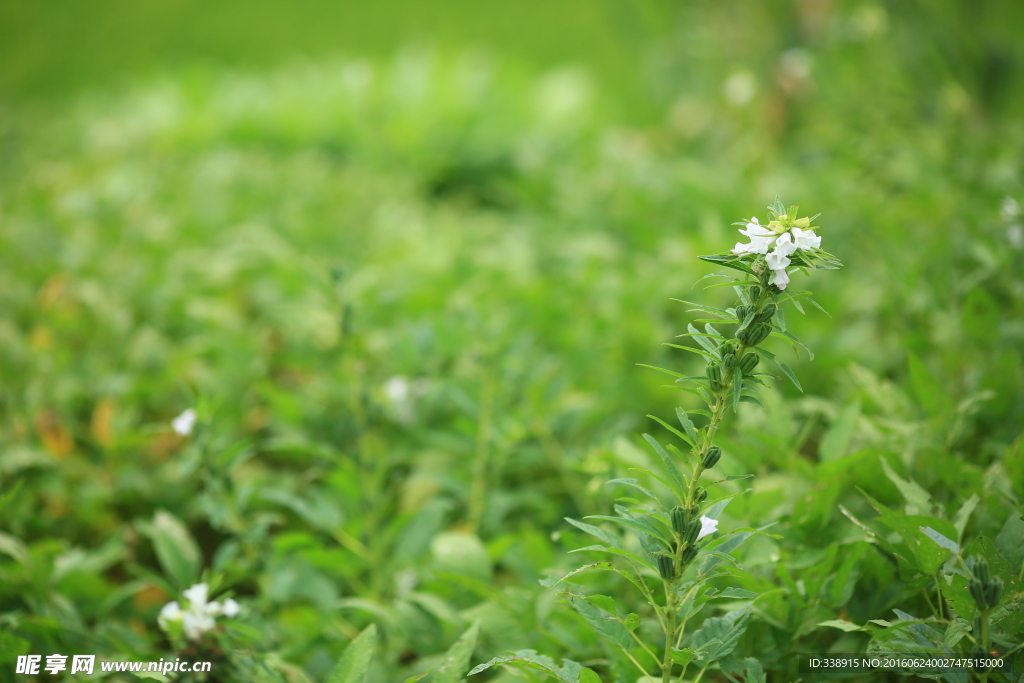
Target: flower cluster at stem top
786, 235
198, 616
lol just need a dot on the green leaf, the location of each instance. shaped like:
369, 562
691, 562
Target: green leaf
708, 309
682, 657
939, 539
356, 659
635, 484
729, 261
782, 366
1010, 541
963, 514
569, 672
175, 549
736, 593
604, 602
677, 480
456, 660
603, 622
641, 524
672, 429
606, 536
836, 441
632, 621
702, 340
684, 420
842, 625
719, 635
917, 498
589, 676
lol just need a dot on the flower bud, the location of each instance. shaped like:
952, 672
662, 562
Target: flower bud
679, 519
711, 457
748, 363
666, 567
766, 313
690, 553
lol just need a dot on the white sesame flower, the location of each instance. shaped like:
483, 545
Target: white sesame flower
806, 239
784, 246
184, 423
761, 239
231, 608
776, 261
199, 615
197, 594
781, 278
170, 612
708, 526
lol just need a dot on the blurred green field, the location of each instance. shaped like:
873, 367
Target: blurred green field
405, 265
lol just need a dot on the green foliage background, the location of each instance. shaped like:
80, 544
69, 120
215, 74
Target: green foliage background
290, 222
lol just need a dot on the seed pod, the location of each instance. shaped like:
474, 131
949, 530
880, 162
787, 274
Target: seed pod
977, 590
748, 363
711, 457
690, 553
695, 512
714, 372
700, 495
692, 531
754, 293
766, 313
993, 591
979, 567
743, 311
979, 655
729, 361
758, 333
680, 519
743, 334
666, 567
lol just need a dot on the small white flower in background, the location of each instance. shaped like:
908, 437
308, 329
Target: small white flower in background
184, 423
401, 394
708, 526
199, 616
231, 608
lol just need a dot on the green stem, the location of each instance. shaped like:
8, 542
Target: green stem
670, 631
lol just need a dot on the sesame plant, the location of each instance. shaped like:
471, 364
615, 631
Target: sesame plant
674, 557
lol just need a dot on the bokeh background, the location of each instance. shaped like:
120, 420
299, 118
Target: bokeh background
403, 258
